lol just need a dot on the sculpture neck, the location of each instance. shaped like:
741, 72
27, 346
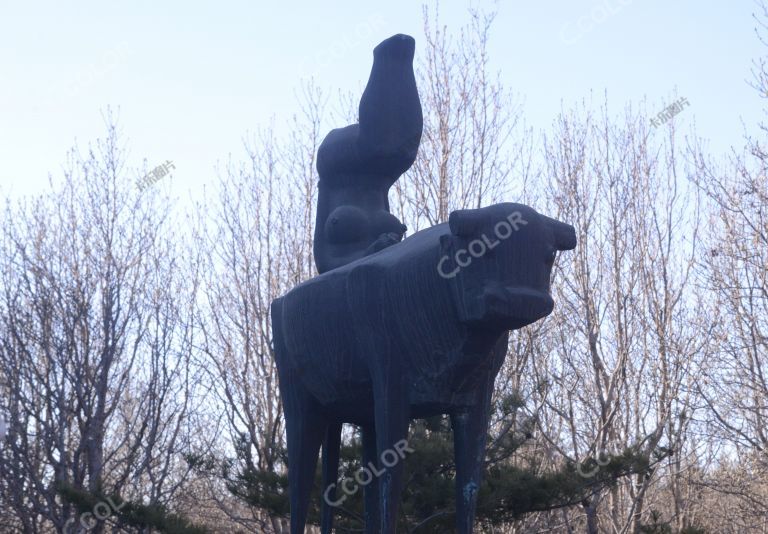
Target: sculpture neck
483, 340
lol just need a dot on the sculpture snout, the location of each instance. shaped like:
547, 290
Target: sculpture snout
516, 307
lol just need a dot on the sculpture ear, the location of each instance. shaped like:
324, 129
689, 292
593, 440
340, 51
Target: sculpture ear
445, 244
464, 290
446, 265
464, 223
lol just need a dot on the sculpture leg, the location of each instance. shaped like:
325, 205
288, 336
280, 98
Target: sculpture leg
470, 430
371, 491
305, 427
331, 446
469, 433
392, 417
391, 408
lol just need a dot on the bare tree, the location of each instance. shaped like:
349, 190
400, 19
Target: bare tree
258, 246
129, 354
94, 344
621, 361
735, 275
472, 139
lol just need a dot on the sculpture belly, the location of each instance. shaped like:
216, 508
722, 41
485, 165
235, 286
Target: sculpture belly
454, 384
321, 345
445, 366
333, 378
454, 374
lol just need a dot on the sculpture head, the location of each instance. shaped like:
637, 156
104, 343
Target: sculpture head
499, 260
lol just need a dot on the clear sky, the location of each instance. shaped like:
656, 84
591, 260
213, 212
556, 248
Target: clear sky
191, 78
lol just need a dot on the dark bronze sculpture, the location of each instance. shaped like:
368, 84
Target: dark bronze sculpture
393, 330
358, 164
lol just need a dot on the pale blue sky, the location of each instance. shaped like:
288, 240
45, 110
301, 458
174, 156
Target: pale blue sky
191, 78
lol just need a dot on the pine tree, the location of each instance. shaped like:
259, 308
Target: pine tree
514, 483
126, 516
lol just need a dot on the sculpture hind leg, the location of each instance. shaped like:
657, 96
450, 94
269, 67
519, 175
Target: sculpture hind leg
371, 491
392, 418
331, 447
390, 392
305, 428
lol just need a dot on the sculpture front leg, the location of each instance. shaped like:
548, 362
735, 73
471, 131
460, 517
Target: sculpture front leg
371, 491
331, 447
470, 430
469, 438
